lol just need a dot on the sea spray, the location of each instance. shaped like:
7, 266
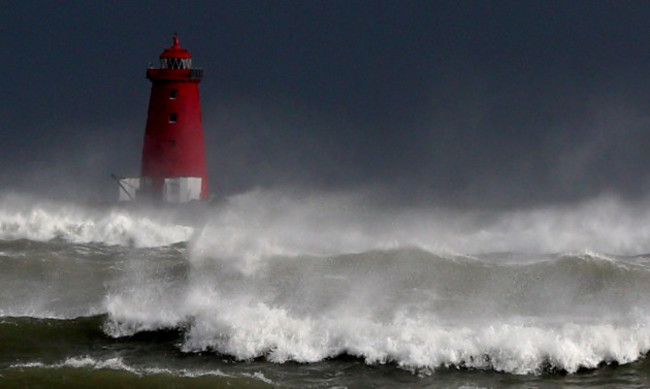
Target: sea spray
41, 220
423, 311
301, 279
258, 224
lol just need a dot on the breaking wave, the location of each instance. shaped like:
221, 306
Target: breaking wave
44, 221
409, 307
291, 278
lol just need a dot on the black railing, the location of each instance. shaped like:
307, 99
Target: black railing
196, 74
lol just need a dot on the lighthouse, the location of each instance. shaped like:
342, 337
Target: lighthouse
173, 155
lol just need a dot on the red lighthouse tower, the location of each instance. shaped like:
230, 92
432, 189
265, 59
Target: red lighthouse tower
173, 155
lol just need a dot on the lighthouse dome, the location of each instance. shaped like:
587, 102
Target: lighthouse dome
175, 57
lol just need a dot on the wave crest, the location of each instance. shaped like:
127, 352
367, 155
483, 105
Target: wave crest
45, 221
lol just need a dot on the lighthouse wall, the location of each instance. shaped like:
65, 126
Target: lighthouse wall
174, 142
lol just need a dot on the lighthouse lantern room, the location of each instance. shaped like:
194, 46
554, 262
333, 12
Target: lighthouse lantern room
173, 155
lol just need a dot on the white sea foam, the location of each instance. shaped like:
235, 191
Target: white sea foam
43, 221
309, 279
415, 340
118, 363
409, 332
82, 362
410, 308
303, 279
258, 224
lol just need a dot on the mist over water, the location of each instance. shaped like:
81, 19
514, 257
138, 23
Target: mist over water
294, 277
259, 223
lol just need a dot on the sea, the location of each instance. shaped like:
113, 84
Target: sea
280, 289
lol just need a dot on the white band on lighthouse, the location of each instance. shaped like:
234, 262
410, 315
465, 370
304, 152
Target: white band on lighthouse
176, 190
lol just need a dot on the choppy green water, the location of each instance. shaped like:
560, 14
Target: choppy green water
47, 353
77, 353
264, 294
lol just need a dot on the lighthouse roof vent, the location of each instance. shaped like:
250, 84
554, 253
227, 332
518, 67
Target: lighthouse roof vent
175, 57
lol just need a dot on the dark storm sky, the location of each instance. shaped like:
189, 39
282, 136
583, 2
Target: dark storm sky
475, 103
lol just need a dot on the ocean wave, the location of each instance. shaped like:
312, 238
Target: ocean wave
260, 224
46, 221
306, 279
417, 343
117, 363
419, 310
